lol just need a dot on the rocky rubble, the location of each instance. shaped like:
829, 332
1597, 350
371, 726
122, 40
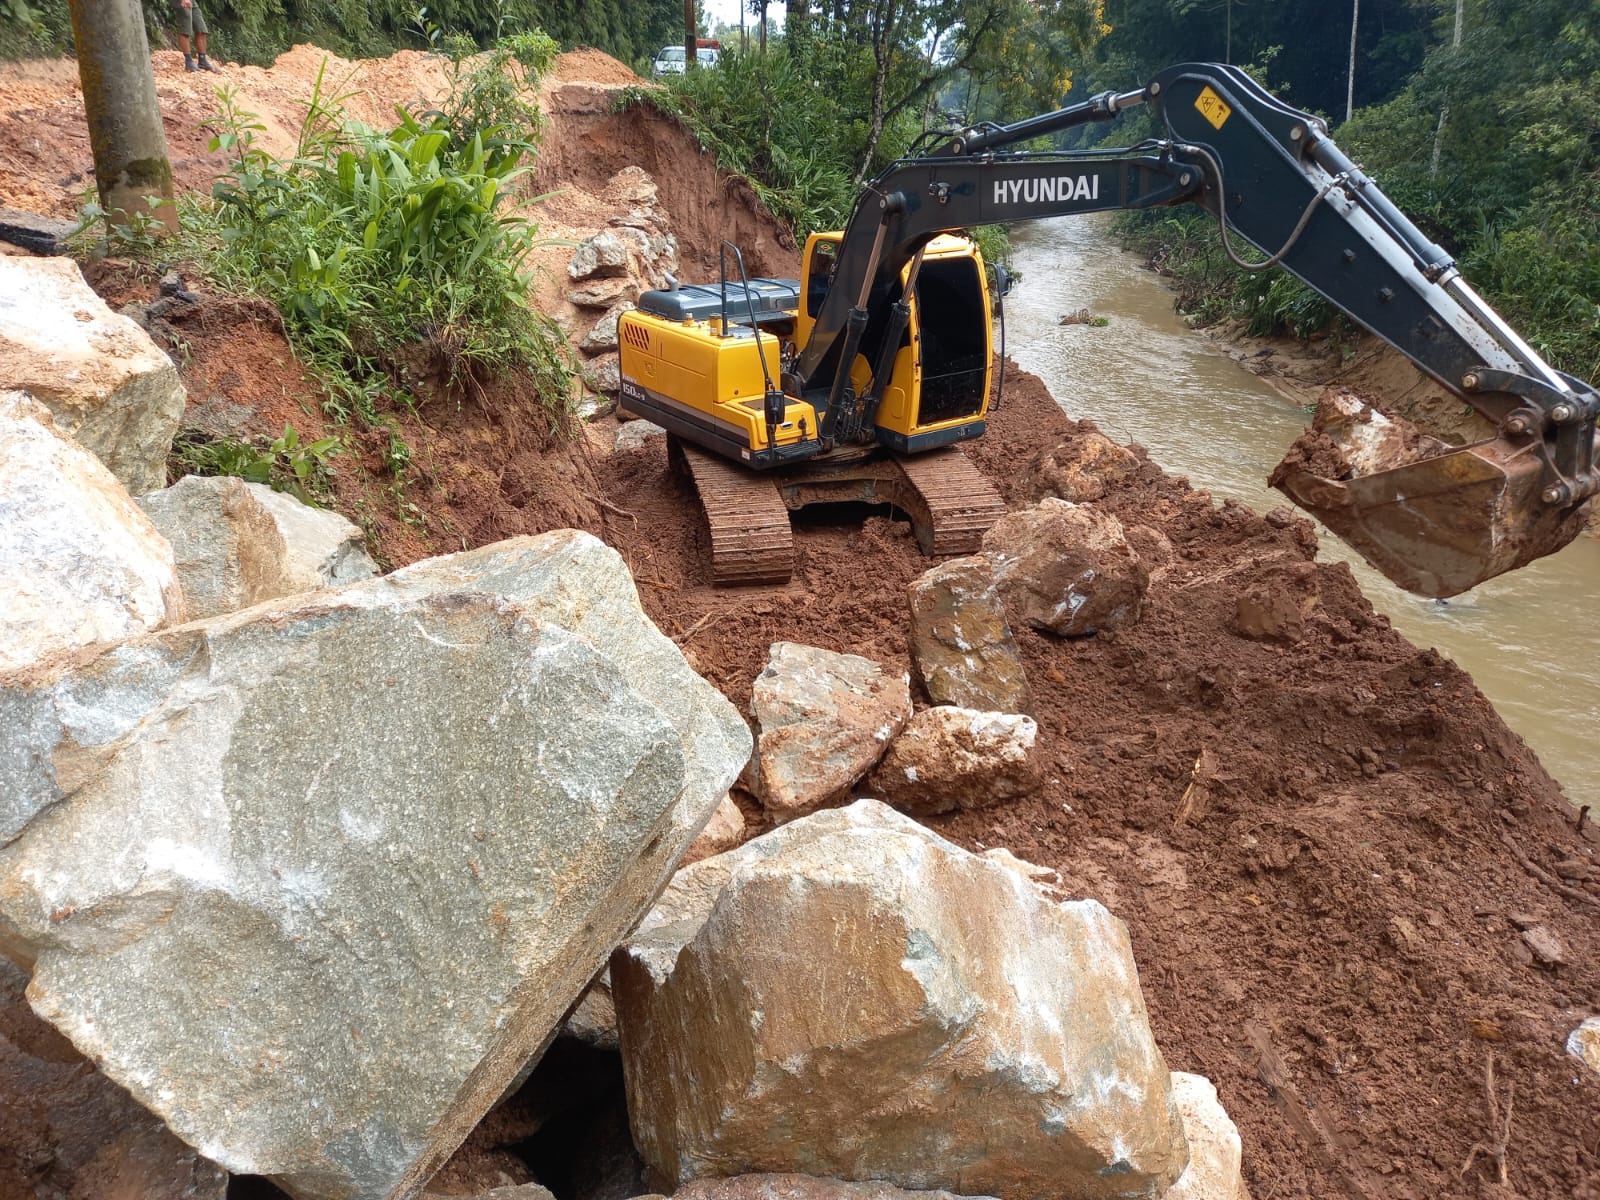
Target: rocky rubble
322, 958
111, 389
863, 1000
79, 562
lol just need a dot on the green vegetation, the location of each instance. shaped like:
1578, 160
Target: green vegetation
856, 83
389, 254
287, 463
1491, 145
257, 31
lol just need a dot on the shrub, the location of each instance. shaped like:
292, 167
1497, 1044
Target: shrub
373, 243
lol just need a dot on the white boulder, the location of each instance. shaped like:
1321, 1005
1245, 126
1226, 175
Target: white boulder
79, 562
853, 996
111, 389
314, 880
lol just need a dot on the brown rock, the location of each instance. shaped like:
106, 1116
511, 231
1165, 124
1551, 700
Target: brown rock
961, 646
1547, 948
823, 721
603, 293
724, 831
1082, 467
1274, 607
864, 1000
1066, 568
958, 758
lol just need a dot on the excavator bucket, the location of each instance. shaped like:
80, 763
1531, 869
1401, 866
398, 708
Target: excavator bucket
1434, 518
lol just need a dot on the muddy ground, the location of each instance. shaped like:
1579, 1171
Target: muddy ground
1327, 851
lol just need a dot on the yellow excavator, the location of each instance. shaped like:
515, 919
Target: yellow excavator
859, 379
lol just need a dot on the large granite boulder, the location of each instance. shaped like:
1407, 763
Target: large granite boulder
111, 389
316, 879
324, 548
961, 645
229, 551
853, 996
822, 720
949, 758
69, 1133
1067, 568
79, 562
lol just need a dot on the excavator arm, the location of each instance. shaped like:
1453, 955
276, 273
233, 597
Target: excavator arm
1272, 176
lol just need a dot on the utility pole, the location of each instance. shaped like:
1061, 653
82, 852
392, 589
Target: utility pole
1350, 95
119, 99
691, 57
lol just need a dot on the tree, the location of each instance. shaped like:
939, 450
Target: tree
119, 100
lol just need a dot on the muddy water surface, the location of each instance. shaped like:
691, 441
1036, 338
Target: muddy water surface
1531, 639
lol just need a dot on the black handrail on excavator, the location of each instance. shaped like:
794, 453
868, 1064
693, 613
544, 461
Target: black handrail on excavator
1272, 176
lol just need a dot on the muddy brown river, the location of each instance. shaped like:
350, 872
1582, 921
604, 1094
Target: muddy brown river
1530, 639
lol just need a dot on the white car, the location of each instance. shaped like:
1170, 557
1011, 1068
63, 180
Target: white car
670, 60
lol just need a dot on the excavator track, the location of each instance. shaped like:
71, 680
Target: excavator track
751, 541
959, 502
949, 501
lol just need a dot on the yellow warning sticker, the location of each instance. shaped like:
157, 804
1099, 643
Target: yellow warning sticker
1213, 107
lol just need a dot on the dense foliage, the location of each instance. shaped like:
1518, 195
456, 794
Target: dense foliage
390, 254
259, 30
1492, 146
853, 84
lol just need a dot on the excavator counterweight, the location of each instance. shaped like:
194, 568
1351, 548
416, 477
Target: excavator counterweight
880, 351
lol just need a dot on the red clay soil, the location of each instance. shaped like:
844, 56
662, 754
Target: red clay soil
1318, 847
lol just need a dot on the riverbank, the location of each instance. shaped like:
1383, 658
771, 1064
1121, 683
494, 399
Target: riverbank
1148, 377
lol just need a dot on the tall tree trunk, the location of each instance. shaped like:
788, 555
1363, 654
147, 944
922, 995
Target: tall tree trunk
1350, 94
882, 50
691, 60
119, 99
763, 27
1444, 109
797, 26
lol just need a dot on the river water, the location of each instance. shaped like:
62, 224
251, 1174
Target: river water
1530, 639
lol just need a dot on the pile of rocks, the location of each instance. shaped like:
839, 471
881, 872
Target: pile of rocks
634, 253
313, 865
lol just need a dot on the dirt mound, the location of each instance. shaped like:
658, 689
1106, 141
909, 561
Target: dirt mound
1311, 842
593, 66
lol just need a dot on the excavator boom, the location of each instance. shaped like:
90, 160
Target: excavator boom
882, 346
1436, 525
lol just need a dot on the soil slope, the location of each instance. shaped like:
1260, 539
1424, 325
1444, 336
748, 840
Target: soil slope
1327, 851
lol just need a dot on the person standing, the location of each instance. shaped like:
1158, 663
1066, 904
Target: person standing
192, 24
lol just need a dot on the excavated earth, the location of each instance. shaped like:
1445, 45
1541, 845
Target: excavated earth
1327, 851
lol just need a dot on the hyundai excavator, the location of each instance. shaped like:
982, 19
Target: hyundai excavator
859, 379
